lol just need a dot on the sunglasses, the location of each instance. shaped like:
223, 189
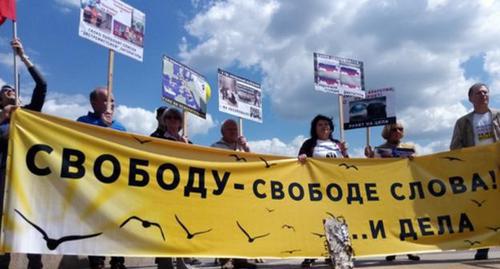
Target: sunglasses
397, 129
170, 117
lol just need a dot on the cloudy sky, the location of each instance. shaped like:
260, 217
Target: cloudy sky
429, 51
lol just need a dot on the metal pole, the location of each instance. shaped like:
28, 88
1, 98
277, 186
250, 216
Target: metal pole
185, 123
16, 72
111, 59
240, 127
341, 116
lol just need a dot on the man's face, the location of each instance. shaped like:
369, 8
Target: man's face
100, 103
230, 131
7, 96
480, 96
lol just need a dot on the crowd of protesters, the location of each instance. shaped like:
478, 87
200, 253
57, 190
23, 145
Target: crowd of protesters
479, 127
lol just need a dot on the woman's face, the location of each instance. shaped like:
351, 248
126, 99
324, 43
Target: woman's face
172, 121
323, 129
397, 132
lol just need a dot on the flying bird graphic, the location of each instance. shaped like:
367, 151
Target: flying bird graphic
318, 235
451, 159
472, 243
141, 141
266, 162
347, 166
288, 227
145, 224
238, 158
190, 235
495, 229
54, 243
291, 251
250, 239
479, 204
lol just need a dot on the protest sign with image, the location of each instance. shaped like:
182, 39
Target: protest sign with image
114, 25
239, 96
339, 75
375, 110
184, 87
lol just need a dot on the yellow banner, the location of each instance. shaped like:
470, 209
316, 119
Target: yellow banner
78, 189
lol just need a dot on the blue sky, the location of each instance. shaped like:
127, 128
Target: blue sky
430, 51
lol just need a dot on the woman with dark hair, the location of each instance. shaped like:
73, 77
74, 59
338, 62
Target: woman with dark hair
321, 144
393, 148
172, 120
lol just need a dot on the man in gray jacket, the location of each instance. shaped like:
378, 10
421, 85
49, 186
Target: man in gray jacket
480, 127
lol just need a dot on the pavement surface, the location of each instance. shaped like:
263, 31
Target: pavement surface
451, 259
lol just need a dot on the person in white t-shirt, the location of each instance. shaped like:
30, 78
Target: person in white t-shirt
479, 127
321, 145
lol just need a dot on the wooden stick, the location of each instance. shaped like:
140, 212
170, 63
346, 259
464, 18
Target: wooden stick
341, 116
240, 127
185, 123
111, 59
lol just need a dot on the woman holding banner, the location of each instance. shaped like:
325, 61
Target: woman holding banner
393, 148
321, 145
172, 120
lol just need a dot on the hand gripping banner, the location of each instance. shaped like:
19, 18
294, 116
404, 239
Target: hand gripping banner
73, 188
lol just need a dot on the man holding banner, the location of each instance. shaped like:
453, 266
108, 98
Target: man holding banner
8, 103
103, 116
479, 127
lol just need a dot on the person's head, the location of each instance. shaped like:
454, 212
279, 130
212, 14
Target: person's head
172, 119
7, 96
479, 95
99, 100
229, 131
159, 113
393, 133
322, 127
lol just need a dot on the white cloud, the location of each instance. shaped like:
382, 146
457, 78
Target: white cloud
492, 66
417, 47
198, 126
6, 59
69, 3
277, 147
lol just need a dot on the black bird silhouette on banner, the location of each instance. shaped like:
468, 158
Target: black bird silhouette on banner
472, 243
145, 224
451, 159
266, 162
288, 227
238, 158
54, 243
318, 234
348, 166
479, 204
141, 141
495, 229
291, 251
190, 235
250, 238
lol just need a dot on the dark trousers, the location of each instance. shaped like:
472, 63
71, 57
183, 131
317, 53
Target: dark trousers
99, 260
34, 261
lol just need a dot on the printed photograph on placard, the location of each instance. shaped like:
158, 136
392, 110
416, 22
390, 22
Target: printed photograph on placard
114, 25
239, 96
94, 14
184, 87
375, 110
338, 75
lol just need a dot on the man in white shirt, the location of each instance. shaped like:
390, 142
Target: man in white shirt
480, 127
